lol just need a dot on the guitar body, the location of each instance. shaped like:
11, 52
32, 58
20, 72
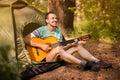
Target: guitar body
37, 54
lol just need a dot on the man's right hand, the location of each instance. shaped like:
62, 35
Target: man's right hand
45, 47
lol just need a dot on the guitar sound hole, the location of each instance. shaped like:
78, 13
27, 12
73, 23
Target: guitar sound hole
37, 52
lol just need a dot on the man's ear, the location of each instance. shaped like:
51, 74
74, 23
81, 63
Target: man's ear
46, 20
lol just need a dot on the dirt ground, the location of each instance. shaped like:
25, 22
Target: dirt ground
105, 51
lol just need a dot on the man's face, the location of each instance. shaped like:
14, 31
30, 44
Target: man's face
52, 20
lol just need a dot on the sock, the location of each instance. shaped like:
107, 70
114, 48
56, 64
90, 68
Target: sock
95, 61
83, 63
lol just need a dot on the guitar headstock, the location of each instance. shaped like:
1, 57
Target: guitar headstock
86, 37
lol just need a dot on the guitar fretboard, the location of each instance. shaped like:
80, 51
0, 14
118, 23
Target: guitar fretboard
86, 37
63, 43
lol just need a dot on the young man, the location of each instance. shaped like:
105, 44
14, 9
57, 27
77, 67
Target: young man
63, 52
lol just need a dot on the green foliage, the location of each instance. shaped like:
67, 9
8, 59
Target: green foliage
100, 18
100, 31
40, 5
8, 69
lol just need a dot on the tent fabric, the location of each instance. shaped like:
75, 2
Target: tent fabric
7, 2
17, 20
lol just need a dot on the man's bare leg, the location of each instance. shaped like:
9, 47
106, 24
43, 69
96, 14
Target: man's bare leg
52, 56
85, 54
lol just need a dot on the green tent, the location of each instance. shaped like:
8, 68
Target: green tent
17, 19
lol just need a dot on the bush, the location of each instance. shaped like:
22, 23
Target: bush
8, 67
100, 31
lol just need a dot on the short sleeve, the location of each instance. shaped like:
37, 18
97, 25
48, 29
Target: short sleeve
35, 33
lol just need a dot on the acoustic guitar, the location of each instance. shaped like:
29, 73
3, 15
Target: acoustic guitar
37, 54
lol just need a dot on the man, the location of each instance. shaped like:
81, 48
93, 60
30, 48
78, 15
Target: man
64, 53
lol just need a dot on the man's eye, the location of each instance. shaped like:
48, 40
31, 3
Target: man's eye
54, 18
57, 18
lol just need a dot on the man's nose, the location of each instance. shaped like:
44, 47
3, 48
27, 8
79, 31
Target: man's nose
55, 20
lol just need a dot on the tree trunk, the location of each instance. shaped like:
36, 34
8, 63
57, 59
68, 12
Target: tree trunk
78, 19
69, 14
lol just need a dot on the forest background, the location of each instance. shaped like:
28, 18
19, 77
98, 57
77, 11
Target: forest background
100, 18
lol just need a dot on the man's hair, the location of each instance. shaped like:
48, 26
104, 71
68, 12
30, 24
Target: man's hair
46, 15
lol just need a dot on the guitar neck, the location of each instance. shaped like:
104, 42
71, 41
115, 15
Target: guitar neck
68, 41
64, 43
86, 37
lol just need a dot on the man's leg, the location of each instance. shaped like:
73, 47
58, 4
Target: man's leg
87, 65
85, 54
66, 56
71, 50
52, 55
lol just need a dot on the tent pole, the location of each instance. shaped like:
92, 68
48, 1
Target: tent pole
15, 34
